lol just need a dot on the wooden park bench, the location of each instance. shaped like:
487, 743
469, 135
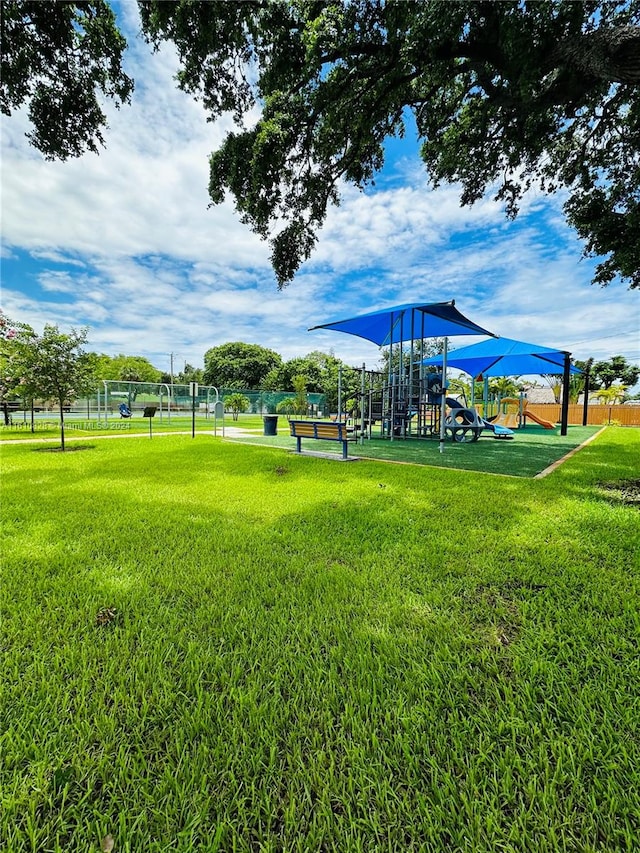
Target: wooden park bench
323, 430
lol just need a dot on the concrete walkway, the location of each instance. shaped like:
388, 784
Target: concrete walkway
70, 435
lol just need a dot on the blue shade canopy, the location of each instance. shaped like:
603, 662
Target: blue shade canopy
504, 357
410, 322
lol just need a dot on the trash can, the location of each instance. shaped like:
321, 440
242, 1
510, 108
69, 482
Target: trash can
270, 424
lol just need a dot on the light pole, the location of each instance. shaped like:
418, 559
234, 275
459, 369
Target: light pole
172, 355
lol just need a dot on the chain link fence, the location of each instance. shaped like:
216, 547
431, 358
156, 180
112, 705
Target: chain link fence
168, 399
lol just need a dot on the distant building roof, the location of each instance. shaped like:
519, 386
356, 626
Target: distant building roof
540, 394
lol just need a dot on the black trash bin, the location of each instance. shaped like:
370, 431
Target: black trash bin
270, 424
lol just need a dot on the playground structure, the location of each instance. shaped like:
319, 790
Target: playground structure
406, 394
508, 357
513, 413
537, 419
402, 410
411, 401
466, 424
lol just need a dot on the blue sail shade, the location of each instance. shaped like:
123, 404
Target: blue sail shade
505, 357
409, 322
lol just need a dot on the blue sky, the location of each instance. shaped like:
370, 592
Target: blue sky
124, 243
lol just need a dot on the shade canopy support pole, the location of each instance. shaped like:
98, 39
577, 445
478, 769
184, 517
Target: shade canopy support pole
566, 381
401, 361
411, 352
362, 397
585, 404
443, 399
421, 371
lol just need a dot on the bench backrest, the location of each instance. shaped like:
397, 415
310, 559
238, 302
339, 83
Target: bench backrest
319, 429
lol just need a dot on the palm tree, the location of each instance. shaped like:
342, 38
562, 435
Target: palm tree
612, 395
554, 381
287, 407
503, 386
237, 403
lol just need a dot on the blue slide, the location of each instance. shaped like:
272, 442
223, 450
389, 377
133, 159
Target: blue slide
496, 429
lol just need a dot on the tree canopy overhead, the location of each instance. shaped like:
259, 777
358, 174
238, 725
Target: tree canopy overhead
505, 95
58, 59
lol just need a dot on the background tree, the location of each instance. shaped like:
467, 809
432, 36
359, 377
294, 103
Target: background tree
310, 366
127, 368
238, 365
13, 335
503, 386
287, 407
429, 348
58, 59
55, 367
554, 381
321, 371
617, 368
459, 386
611, 395
300, 400
189, 374
576, 387
236, 403
504, 96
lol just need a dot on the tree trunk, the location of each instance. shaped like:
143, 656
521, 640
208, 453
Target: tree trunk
62, 424
609, 53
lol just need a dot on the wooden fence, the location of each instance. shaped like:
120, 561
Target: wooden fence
597, 414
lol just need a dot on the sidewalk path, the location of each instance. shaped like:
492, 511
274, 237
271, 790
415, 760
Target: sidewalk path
228, 431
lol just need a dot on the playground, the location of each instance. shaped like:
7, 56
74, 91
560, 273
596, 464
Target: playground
535, 449
410, 402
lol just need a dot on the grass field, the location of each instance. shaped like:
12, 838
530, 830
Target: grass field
212, 646
531, 451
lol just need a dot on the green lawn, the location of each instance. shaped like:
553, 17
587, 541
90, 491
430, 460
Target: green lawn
531, 450
214, 646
